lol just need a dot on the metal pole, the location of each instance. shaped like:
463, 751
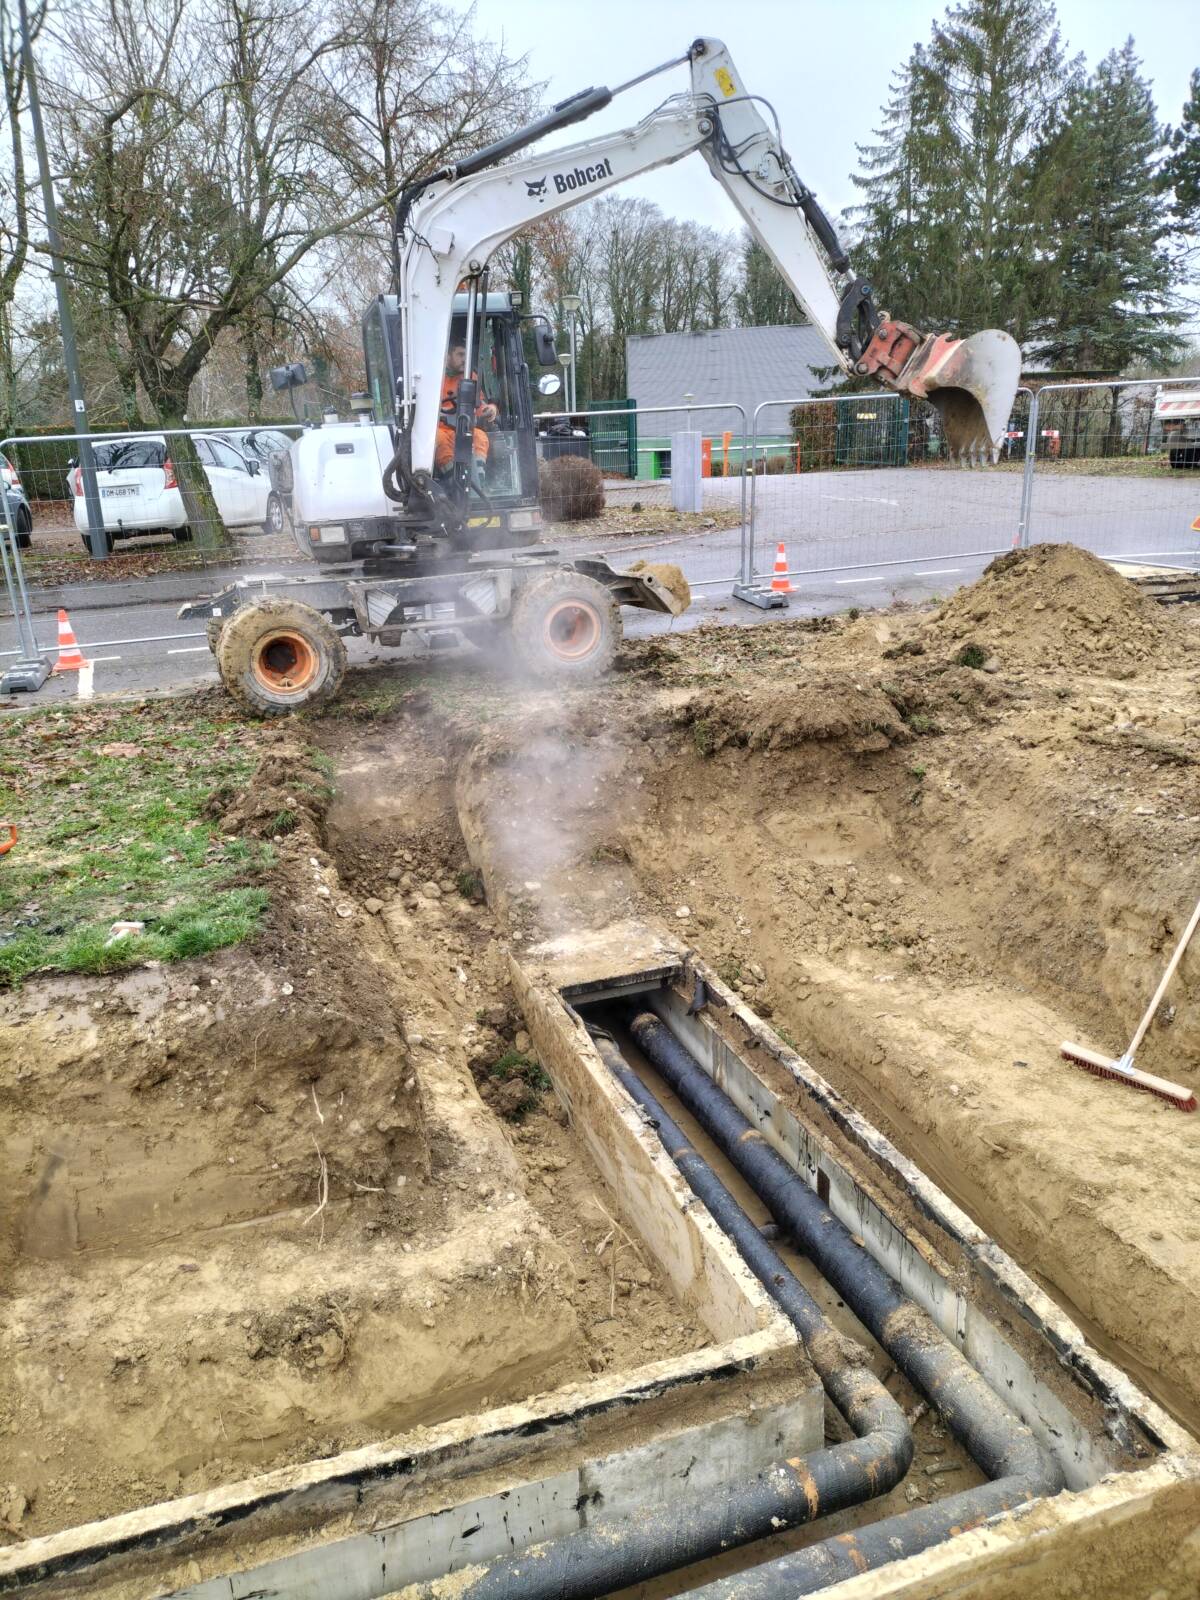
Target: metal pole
30, 670
574, 379
1031, 438
97, 536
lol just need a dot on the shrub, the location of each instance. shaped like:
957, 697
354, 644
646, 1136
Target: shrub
571, 489
780, 463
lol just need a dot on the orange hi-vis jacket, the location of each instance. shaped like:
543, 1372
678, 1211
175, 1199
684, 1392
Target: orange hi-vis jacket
443, 448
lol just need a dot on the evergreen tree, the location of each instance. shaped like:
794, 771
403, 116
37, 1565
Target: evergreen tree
1108, 273
763, 300
948, 210
1180, 174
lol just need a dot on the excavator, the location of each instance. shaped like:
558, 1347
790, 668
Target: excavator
412, 538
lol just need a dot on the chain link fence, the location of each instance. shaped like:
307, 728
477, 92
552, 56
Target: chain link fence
632, 446
1108, 468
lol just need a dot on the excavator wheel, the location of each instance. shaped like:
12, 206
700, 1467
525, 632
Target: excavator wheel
213, 630
565, 626
276, 656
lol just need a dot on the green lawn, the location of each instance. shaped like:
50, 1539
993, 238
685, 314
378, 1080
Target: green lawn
110, 809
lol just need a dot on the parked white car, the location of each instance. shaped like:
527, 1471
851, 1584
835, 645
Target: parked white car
139, 493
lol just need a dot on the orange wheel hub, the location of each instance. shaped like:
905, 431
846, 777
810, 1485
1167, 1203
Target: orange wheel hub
571, 629
285, 662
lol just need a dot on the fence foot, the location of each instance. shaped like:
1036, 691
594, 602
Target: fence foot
25, 677
760, 595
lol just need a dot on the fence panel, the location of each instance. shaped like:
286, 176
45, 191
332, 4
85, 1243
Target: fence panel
708, 545
1101, 476
857, 482
169, 502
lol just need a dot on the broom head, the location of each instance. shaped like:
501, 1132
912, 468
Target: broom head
1105, 1067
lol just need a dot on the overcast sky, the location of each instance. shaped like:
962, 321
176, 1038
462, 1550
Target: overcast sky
826, 65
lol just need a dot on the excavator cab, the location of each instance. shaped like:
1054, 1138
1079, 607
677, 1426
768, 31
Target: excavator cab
502, 505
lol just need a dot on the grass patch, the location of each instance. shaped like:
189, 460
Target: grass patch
514, 1064
111, 805
703, 738
971, 655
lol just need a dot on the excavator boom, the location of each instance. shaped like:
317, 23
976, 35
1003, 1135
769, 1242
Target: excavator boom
449, 222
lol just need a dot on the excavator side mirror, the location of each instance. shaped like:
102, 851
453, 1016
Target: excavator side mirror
549, 383
543, 340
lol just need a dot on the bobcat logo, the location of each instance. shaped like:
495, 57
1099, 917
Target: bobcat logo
537, 190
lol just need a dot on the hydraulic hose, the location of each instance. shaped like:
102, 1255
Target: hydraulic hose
595, 1561
1001, 1445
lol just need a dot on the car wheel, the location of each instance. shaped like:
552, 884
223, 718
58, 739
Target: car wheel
565, 626
182, 535
277, 656
273, 522
24, 527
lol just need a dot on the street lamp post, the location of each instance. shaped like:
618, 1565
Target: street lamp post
571, 304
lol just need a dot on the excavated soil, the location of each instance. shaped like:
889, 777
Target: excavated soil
929, 846
929, 874
257, 1211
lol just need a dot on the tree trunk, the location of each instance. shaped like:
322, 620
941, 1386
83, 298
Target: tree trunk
208, 529
254, 383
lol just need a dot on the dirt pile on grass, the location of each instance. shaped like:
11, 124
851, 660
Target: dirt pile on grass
1054, 605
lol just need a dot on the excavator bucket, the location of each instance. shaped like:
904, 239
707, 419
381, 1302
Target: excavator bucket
972, 382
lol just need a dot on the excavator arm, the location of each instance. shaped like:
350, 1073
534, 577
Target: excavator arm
449, 223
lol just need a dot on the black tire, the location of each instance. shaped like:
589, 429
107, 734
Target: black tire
24, 527
213, 629
277, 656
274, 521
182, 535
565, 626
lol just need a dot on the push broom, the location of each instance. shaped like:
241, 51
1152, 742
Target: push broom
1124, 1070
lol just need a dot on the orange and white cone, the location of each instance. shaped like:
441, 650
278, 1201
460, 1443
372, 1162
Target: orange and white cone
70, 656
779, 583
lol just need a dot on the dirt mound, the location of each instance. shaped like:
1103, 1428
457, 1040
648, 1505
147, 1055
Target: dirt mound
1054, 605
826, 708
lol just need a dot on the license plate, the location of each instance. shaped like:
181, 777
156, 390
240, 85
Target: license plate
125, 488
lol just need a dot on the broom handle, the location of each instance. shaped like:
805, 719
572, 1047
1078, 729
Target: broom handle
1166, 978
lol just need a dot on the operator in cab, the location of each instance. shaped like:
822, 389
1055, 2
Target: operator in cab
486, 416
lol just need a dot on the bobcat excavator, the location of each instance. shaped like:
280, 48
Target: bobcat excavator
410, 543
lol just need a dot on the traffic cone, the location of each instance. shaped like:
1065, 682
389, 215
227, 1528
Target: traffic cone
779, 583
70, 656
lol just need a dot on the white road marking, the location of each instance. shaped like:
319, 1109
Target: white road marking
104, 658
85, 681
878, 578
860, 499
934, 572
190, 650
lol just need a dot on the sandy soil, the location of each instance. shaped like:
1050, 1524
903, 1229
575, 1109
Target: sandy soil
258, 1210
929, 845
929, 874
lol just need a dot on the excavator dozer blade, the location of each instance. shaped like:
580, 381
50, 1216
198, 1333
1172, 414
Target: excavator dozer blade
972, 383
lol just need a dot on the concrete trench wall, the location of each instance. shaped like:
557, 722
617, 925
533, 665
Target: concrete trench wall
371, 1521
363, 1523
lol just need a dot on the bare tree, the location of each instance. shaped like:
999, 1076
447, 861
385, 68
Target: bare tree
14, 199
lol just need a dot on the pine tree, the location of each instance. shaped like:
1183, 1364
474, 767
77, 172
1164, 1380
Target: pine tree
1180, 174
763, 300
1109, 274
948, 208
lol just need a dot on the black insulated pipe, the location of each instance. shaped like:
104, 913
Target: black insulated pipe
595, 1561
1001, 1445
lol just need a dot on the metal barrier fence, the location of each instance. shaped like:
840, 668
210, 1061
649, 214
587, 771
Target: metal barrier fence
710, 557
856, 487
207, 490
865, 483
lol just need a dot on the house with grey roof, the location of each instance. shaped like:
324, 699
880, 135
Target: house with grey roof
743, 365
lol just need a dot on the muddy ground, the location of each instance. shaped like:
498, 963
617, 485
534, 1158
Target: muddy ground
929, 846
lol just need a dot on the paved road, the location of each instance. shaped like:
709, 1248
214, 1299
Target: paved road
851, 538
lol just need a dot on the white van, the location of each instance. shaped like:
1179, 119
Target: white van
139, 493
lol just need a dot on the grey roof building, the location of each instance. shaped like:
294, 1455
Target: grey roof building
744, 365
